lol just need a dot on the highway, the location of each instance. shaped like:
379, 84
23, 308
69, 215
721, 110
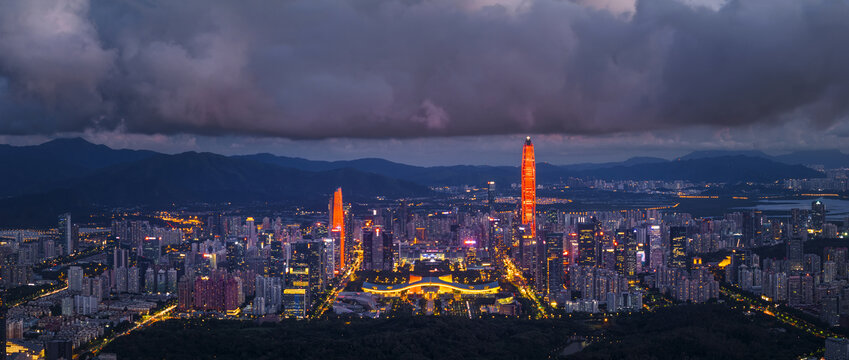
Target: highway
514, 276
159, 316
342, 281
39, 296
774, 310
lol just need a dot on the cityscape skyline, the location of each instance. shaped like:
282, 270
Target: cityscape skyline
474, 251
424, 179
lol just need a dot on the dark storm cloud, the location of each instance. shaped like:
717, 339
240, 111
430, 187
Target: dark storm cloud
321, 68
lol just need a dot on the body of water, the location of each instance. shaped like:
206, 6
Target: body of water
836, 209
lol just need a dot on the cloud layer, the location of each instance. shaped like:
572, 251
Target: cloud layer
310, 69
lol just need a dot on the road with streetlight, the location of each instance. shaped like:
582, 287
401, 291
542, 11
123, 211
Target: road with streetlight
514, 276
342, 281
150, 320
774, 310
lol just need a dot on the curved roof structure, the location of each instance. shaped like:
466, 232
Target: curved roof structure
444, 286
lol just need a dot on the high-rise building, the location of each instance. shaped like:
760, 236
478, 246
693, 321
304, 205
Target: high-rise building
75, 278
526, 253
838, 255
307, 266
798, 224
235, 255
529, 186
490, 195
161, 281
185, 295
233, 296
251, 235
120, 282
133, 280
752, 228
269, 288
678, 246
817, 216
794, 254
587, 244
388, 258
172, 281
370, 248
630, 261
296, 302
377, 249
655, 245
219, 292
119, 257
337, 225
66, 233
152, 247
553, 263
149, 281
277, 266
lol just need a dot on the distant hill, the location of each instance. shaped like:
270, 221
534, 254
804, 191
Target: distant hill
706, 154
632, 161
830, 159
206, 177
50, 178
193, 178
699, 167
436, 175
737, 168
31, 169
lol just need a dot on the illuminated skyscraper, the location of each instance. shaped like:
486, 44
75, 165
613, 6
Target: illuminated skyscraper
377, 249
678, 246
251, 232
655, 242
337, 223
628, 239
553, 263
307, 266
529, 186
66, 235
817, 216
587, 244
490, 195
799, 223
235, 254
277, 258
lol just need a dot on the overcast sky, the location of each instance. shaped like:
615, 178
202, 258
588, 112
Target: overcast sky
428, 81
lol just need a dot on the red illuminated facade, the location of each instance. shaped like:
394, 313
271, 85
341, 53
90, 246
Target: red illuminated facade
529, 186
337, 223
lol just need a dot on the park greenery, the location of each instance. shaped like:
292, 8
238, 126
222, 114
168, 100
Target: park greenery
707, 331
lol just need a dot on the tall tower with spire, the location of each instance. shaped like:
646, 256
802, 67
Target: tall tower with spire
337, 224
529, 186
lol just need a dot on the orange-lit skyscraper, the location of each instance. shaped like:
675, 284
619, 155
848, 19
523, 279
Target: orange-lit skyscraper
529, 186
337, 223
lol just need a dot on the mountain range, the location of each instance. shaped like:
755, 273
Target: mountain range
72, 173
829, 159
723, 167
